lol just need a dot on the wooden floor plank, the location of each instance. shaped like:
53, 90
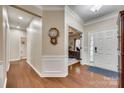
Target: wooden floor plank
21, 75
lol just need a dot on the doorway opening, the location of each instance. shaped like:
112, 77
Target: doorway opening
19, 22
23, 47
74, 46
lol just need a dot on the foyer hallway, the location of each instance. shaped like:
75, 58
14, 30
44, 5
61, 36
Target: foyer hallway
21, 75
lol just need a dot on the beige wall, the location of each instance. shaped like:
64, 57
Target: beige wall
54, 62
53, 19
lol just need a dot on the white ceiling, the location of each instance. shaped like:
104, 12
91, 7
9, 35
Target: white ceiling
14, 21
84, 11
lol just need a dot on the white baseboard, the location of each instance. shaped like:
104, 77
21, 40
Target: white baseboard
73, 62
8, 67
55, 75
5, 82
24, 58
34, 69
85, 63
12, 60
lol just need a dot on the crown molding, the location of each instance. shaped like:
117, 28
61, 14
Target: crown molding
38, 6
103, 18
72, 13
14, 27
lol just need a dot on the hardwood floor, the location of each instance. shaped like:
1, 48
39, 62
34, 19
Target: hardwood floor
21, 75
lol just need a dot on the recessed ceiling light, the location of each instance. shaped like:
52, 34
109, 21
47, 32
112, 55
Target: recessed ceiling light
96, 8
20, 17
18, 26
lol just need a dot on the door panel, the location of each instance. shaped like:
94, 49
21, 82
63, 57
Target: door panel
23, 48
106, 55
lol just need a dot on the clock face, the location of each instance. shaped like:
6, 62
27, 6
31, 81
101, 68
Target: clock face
53, 32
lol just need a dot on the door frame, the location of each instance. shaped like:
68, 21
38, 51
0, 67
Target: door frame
81, 43
121, 49
92, 63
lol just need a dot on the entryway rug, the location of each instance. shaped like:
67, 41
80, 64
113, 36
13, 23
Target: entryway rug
108, 73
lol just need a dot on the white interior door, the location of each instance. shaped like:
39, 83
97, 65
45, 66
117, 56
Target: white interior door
105, 49
23, 48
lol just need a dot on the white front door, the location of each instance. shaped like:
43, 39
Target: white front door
105, 50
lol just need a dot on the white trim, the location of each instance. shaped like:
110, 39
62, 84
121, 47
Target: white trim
53, 71
20, 46
73, 14
76, 61
8, 66
105, 30
55, 75
74, 20
54, 66
88, 54
24, 58
11, 60
81, 45
103, 18
47, 56
34, 69
15, 28
5, 82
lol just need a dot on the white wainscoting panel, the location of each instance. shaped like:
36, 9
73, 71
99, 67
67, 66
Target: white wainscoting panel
54, 66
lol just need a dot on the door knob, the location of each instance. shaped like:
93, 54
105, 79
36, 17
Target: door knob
95, 49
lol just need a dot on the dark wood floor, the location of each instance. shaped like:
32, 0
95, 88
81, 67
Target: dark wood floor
21, 75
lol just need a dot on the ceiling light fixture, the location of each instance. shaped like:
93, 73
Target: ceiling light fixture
20, 17
18, 26
96, 8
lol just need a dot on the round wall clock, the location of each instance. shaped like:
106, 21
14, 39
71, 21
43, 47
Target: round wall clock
53, 34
